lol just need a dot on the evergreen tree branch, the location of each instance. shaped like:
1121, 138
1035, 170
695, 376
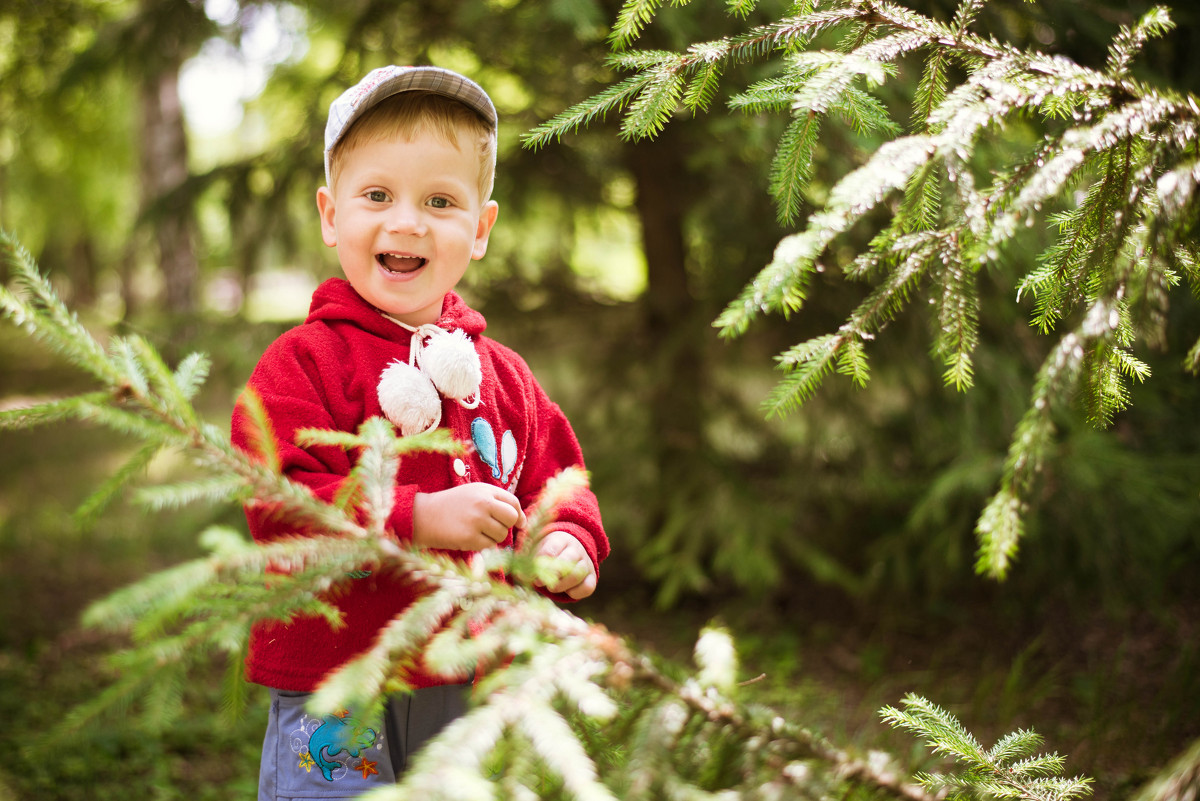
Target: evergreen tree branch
50, 411
781, 285
1000, 525
1122, 248
91, 509
585, 113
1004, 771
634, 17
1155, 22
45, 318
548, 672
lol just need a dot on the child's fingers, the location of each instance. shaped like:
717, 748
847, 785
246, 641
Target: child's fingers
561, 545
551, 547
507, 510
495, 531
584, 588
578, 582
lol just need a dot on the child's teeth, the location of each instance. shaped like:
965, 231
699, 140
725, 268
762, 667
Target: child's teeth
400, 264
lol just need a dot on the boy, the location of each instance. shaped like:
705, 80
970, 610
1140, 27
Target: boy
409, 162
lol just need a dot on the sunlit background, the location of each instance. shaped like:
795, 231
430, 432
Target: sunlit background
160, 159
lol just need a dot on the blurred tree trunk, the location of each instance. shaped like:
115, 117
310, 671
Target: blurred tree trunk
671, 315
164, 171
85, 267
127, 270
657, 167
77, 260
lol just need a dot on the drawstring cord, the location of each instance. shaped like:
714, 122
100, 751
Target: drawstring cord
441, 364
416, 354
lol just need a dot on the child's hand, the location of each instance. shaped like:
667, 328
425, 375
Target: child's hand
577, 583
469, 517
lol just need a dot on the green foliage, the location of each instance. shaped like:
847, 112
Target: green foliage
1009, 769
1125, 240
553, 676
1180, 779
724, 526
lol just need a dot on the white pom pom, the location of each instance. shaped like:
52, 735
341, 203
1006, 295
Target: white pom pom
409, 399
452, 364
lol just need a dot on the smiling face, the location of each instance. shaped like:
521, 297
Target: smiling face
406, 215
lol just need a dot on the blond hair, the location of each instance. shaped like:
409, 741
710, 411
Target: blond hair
404, 115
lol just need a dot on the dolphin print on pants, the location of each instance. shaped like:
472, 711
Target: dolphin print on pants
334, 736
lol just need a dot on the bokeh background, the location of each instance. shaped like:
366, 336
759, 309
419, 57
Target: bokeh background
160, 159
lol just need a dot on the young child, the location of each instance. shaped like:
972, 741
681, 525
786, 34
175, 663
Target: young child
409, 163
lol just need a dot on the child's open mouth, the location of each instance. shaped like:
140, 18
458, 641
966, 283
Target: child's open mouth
399, 263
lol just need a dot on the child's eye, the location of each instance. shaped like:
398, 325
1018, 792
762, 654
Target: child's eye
377, 196
439, 202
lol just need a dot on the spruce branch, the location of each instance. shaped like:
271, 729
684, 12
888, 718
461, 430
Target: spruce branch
214, 490
178, 617
362, 682
703, 87
95, 505
556, 492
1114, 173
38, 311
41, 413
782, 285
633, 18
585, 113
654, 105
741, 8
586, 664
931, 92
1129, 42
805, 367
549, 674
1007, 770
967, 11
792, 166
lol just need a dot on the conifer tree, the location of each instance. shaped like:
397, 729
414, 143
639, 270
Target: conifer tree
1115, 174
565, 708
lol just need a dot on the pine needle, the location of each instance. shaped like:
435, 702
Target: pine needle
90, 510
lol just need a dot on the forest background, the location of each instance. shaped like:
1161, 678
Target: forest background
837, 541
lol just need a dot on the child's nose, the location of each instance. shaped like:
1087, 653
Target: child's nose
405, 218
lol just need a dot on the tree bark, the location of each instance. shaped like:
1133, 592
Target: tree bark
671, 316
164, 171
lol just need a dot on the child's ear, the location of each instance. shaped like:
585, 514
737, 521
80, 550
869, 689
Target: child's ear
325, 208
487, 218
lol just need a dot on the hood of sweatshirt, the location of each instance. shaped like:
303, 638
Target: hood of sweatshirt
335, 300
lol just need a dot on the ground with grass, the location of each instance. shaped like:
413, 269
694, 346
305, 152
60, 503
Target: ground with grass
1117, 693
1117, 690
1119, 697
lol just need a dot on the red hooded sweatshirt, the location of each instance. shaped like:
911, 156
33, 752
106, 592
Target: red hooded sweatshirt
324, 374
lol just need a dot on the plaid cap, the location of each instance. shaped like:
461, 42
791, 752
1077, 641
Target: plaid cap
382, 83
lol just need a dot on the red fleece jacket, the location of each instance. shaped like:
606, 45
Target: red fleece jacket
324, 374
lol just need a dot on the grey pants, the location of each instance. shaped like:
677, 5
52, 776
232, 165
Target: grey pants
340, 756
